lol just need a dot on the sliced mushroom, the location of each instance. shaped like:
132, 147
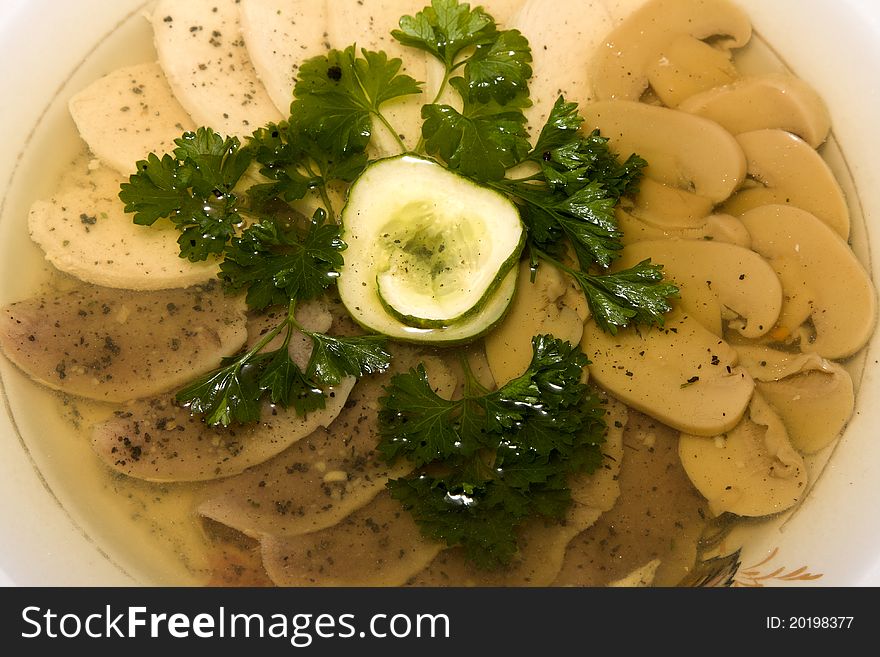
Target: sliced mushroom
813, 396
718, 281
670, 207
326, 476
157, 440
682, 375
776, 100
542, 544
127, 114
544, 306
688, 66
378, 545
207, 66
752, 470
787, 170
819, 270
279, 35
114, 346
84, 232
716, 227
620, 70
682, 150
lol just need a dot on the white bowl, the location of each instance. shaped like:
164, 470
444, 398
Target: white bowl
53, 49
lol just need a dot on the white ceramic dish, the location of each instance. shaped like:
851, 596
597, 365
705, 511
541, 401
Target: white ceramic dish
51, 49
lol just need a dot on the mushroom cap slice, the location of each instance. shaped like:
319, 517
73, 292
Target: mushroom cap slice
682, 150
158, 440
747, 289
838, 290
84, 231
620, 69
813, 396
751, 470
688, 66
790, 172
326, 476
539, 307
682, 374
201, 51
127, 114
111, 345
716, 227
666, 206
764, 102
378, 545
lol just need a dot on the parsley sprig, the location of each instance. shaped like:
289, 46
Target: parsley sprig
194, 188
233, 393
489, 460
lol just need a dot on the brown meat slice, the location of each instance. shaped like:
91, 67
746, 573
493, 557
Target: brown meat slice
157, 440
326, 476
378, 545
117, 345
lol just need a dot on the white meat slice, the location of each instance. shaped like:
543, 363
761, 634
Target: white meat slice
204, 57
279, 35
564, 37
84, 232
128, 114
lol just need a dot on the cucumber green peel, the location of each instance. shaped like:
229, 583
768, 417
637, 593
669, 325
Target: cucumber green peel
429, 251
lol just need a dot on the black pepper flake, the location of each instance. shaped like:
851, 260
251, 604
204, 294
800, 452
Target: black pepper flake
334, 73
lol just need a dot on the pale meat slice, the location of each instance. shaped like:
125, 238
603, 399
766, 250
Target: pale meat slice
326, 476
128, 114
280, 35
378, 545
542, 544
658, 515
204, 58
368, 24
564, 37
112, 345
84, 232
157, 440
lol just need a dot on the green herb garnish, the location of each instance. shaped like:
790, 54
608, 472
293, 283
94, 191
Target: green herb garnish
491, 459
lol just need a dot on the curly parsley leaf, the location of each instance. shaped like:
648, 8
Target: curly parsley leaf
234, 392
334, 358
228, 395
500, 70
481, 142
337, 94
296, 163
445, 28
193, 187
277, 262
493, 459
638, 295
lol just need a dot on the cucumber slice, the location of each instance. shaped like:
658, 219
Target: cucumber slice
430, 253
